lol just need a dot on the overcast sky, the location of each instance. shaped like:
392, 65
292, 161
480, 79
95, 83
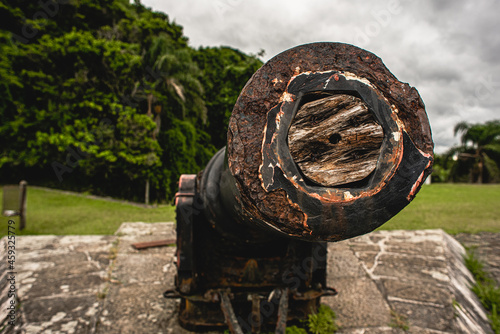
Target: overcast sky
448, 50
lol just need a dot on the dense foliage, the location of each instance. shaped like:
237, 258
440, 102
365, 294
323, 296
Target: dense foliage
106, 96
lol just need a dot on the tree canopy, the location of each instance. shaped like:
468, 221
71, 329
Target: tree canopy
476, 160
480, 151
104, 96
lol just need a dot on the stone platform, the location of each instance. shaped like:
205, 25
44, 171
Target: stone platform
388, 282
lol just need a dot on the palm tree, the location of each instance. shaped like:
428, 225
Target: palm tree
170, 87
175, 79
480, 149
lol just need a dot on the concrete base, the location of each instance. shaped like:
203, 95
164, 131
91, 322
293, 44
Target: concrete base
388, 282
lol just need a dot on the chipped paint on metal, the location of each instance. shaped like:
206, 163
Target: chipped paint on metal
427, 155
403, 111
420, 179
327, 81
396, 136
287, 97
352, 76
394, 116
279, 115
417, 184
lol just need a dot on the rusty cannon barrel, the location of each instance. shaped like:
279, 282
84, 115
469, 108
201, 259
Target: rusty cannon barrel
324, 144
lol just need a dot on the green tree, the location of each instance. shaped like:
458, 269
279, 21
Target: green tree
66, 78
479, 152
175, 80
173, 97
441, 168
224, 72
105, 95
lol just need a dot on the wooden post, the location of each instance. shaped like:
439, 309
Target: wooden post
335, 140
23, 186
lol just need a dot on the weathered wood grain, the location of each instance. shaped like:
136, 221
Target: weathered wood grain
335, 140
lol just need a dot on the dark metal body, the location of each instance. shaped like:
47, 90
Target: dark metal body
266, 276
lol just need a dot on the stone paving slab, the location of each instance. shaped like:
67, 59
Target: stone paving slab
419, 277
135, 302
58, 280
387, 281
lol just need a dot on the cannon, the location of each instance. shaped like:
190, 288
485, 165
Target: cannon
324, 144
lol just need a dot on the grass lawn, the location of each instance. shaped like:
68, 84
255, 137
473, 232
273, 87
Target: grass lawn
51, 212
453, 207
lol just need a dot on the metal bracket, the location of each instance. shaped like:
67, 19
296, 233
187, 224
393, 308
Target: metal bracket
227, 309
232, 321
172, 294
282, 312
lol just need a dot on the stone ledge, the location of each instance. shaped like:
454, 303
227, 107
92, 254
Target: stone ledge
419, 275
100, 284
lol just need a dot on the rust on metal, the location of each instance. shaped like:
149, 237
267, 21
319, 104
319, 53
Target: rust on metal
418, 183
156, 243
256, 315
324, 144
282, 312
229, 314
269, 101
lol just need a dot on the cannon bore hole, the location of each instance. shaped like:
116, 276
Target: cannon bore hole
334, 139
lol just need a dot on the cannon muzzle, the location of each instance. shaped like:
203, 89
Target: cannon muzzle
324, 144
